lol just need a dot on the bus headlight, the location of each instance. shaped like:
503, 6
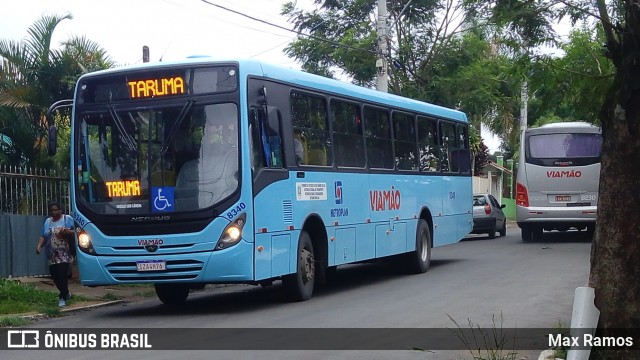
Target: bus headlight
232, 233
85, 244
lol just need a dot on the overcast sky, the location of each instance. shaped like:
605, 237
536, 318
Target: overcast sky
173, 29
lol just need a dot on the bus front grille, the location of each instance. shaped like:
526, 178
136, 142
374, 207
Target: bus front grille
175, 270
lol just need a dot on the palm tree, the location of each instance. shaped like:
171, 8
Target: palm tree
32, 77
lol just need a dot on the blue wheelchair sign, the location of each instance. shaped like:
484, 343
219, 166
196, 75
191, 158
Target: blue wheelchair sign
162, 199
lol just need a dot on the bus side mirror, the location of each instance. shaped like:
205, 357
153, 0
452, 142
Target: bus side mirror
53, 131
53, 140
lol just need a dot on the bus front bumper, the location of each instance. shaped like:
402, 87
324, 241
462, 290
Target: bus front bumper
232, 265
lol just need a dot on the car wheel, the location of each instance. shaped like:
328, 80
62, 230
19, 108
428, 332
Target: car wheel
527, 234
299, 285
503, 231
492, 232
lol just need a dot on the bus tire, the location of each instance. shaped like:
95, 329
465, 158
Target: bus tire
420, 259
299, 285
172, 294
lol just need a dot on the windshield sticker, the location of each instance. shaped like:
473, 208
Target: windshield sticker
163, 199
311, 191
129, 206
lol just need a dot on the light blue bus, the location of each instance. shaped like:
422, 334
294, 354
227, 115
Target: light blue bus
202, 172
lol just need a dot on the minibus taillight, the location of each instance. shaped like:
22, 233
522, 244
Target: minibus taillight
522, 198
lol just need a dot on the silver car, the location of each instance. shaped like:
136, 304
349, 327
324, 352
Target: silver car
488, 216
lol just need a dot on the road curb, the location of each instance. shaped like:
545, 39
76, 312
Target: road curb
92, 306
67, 310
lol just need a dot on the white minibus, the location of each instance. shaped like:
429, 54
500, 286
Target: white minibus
558, 177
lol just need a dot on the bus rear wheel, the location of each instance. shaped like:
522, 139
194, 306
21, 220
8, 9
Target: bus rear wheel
419, 260
299, 285
172, 294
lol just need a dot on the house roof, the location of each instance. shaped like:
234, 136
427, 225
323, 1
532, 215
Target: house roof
498, 167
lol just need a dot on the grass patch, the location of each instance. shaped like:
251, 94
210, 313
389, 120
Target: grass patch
486, 344
13, 321
135, 285
146, 294
560, 352
110, 297
18, 298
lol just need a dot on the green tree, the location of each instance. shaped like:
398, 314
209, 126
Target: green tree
615, 268
438, 54
571, 87
33, 75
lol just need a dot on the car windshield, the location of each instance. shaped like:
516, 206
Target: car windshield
182, 157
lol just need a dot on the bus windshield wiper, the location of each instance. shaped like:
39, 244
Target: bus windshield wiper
174, 129
126, 138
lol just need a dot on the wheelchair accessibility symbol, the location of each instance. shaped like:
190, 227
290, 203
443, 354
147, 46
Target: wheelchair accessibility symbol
162, 199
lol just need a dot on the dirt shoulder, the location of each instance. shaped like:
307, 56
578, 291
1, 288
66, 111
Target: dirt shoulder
84, 296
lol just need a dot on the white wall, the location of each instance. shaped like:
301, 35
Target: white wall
481, 185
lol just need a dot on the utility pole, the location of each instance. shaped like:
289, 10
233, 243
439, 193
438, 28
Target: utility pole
381, 62
145, 53
524, 98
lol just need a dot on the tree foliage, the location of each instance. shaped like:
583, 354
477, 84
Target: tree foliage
616, 245
437, 54
33, 75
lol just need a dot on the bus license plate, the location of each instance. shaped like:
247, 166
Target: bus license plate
563, 197
151, 265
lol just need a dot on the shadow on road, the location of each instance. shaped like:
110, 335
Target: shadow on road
247, 298
559, 237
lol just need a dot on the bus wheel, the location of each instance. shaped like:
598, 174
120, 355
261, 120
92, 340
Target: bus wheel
299, 285
420, 259
172, 294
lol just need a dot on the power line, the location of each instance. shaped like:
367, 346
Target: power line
287, 29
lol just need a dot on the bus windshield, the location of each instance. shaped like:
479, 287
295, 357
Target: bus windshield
177, 158
565, 146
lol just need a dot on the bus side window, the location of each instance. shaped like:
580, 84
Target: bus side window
347, 134
428, 144
310, 129
448, 148
378, 134
464, 155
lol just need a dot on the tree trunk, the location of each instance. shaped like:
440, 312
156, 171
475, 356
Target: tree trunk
615, 252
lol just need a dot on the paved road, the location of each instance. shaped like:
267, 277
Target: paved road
500, 281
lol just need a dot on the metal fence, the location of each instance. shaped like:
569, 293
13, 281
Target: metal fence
28, 191
24, 196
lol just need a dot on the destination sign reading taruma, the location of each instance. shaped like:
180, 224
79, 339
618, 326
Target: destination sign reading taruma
156, 87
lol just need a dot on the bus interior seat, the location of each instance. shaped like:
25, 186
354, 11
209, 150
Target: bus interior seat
163, 178
318, 157
186, 190
301, 149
